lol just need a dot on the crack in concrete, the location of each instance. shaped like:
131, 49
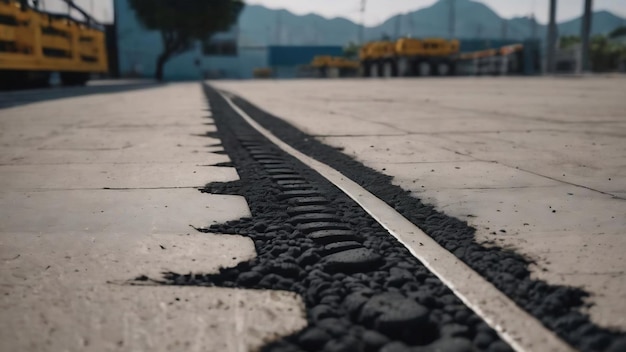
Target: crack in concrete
537, 174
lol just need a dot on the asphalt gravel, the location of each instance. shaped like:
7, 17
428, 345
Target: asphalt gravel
330, 296
362, 289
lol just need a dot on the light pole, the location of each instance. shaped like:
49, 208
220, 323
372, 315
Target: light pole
362, 28
551, 49
585, 33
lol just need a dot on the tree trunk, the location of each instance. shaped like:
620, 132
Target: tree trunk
160, 65
173, 45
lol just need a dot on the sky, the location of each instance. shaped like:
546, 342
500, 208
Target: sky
378, 11
101, 10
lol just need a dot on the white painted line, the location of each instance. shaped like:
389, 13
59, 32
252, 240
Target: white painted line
514, 325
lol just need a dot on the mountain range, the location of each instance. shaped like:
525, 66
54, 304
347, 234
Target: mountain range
259, 25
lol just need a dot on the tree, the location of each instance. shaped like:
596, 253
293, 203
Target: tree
183, 22
605, 54
569, 41
618, 32
351, 51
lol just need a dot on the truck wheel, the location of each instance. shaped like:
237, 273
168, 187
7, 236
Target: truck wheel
403, 68
414, 68
424, 69
41, 80
374, 70
443, 69
365, 69
74, 78
453, 68
332, 72
12, 79
387, 69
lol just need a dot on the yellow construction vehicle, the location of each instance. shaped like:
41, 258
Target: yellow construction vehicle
409, 57
33, 44
332, 66
262, 72
426, 57
377, 51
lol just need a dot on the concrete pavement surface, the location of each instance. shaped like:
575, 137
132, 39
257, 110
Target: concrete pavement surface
536, 165
98, 189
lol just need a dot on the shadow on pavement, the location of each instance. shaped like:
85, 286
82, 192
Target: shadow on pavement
10, 99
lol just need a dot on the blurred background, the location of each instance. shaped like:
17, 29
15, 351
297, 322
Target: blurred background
372, 38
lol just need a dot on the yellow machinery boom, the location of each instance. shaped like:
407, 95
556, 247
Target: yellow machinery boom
35, 43
331, 61
377, 51
331, 66
430, 47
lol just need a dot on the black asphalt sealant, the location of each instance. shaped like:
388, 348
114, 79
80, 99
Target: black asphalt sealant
362, 289
384, 299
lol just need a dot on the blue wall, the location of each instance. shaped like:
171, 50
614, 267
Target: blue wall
138, 49
299, 55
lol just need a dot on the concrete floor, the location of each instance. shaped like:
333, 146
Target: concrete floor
535, 164
98, 189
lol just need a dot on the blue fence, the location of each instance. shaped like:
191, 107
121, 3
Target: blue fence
299, 55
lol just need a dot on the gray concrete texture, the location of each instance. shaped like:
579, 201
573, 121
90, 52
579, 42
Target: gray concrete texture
97, 190
543, 159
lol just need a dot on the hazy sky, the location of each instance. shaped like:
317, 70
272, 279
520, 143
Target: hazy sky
101, 10
380, 10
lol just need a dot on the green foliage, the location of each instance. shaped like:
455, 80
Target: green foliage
569, 41
618, 32
195, 19
351, 50
183, 21
606, 54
